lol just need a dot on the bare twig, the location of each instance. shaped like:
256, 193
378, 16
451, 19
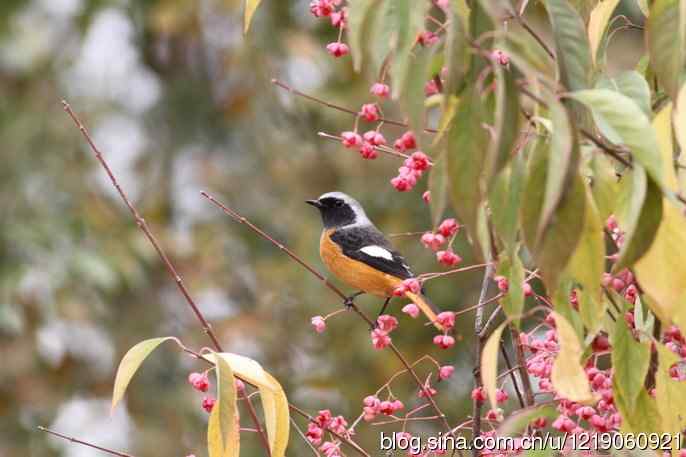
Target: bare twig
207, 328
84, 443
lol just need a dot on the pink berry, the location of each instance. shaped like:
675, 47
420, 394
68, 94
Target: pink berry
427, 38
240, 385
420, 161
367, 151
503, 283
600, 343
427, 391
351, 139
314, 434
401, 184
380, 90
208, 403
448, 227
318, 323
321, 8
387, 323
380, 339
406, 141
411, 310
445, 371
446, 319
430, 88
478, 394
501, 396
386, 407
337, 49
500, 57
199, 381
413, 285
374, 137
528, 290
339, 18
448, 258
323, 418
426, 196
369, 112
432, 240
631, 294
539, 423
444, 341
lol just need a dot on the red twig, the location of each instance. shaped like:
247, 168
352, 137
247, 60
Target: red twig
84, 443
167, 263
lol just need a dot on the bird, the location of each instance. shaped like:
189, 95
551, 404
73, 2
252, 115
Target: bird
359, 254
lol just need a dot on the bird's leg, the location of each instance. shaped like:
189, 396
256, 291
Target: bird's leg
348, 302
383, 308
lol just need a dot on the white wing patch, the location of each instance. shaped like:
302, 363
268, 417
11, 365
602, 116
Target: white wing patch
377, 251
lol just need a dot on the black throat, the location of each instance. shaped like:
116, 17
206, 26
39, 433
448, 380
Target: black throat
338, 216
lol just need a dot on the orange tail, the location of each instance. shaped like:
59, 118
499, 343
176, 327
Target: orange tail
427, 308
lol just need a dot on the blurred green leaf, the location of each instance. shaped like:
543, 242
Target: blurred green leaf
505, 198
666, 40
438, 187
571, 45
412, 97
633, 85
406, 19
507, 123
630, 361
456, 50
361, 21
643, 418
670, 393
511, 267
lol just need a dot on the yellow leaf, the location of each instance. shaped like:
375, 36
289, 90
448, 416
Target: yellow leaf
130, 363
489, 364
250, 8
274, 401
597, 24
679, 119
223, 437
670, 394
568, 376
663, 127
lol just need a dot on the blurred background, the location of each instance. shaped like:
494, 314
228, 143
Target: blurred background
179, 101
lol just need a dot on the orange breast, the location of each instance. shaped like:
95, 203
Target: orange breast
356, 274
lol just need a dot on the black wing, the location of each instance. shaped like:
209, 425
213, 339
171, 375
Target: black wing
353, 240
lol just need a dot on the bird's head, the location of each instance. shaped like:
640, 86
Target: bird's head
338, 210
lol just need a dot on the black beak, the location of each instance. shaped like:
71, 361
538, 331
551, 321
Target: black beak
314, 203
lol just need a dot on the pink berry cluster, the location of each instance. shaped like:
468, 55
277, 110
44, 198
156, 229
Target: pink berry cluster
380, 335
447, 321
201, 383
374, 407
675, 342
434, 240
574, 417
325, 421
501, 396
338, 16
412, 169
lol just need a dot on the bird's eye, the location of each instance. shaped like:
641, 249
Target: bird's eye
338, 203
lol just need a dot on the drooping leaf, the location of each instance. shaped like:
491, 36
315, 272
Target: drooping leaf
597, 25
630, 361
456, 55
480, 28
629, 123
662, 123
641, 218
505, 199
361, 21
489, 364
571, 45
407, 20
666, 42
467, 140
568, 376
586, 267
562, 165
604, 185
670, 393
130, 363
511, 267
250, 8
274, 401
223, 437
643, 418
507, 125
412, 98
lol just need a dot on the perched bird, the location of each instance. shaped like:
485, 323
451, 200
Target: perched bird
356, 252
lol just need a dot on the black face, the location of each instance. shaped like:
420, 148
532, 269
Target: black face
335, 212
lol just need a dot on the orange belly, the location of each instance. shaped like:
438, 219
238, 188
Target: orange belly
356, 274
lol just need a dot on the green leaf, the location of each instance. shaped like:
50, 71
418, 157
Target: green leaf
559, 241
412, 98
361, 21
467, 141
250, 8
511, 267
223, 438
604, 185
507, 125
643, 418
630, 361
517, 422
633, 85
586, 267
624, 117
407, 20
456, 47
572, 48
641, 218
568, 376
131, 362
489, 364
670, 394
666, 40
527, 55
505, 199
597, 25
562, 165
438, 188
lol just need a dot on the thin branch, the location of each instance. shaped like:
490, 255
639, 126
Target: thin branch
338, 107
237, 217
84, 443
521, 361
535, 35
515, 384
384, 149
302, 435
207, 328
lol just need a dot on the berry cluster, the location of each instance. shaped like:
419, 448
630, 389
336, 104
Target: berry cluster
326, 422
